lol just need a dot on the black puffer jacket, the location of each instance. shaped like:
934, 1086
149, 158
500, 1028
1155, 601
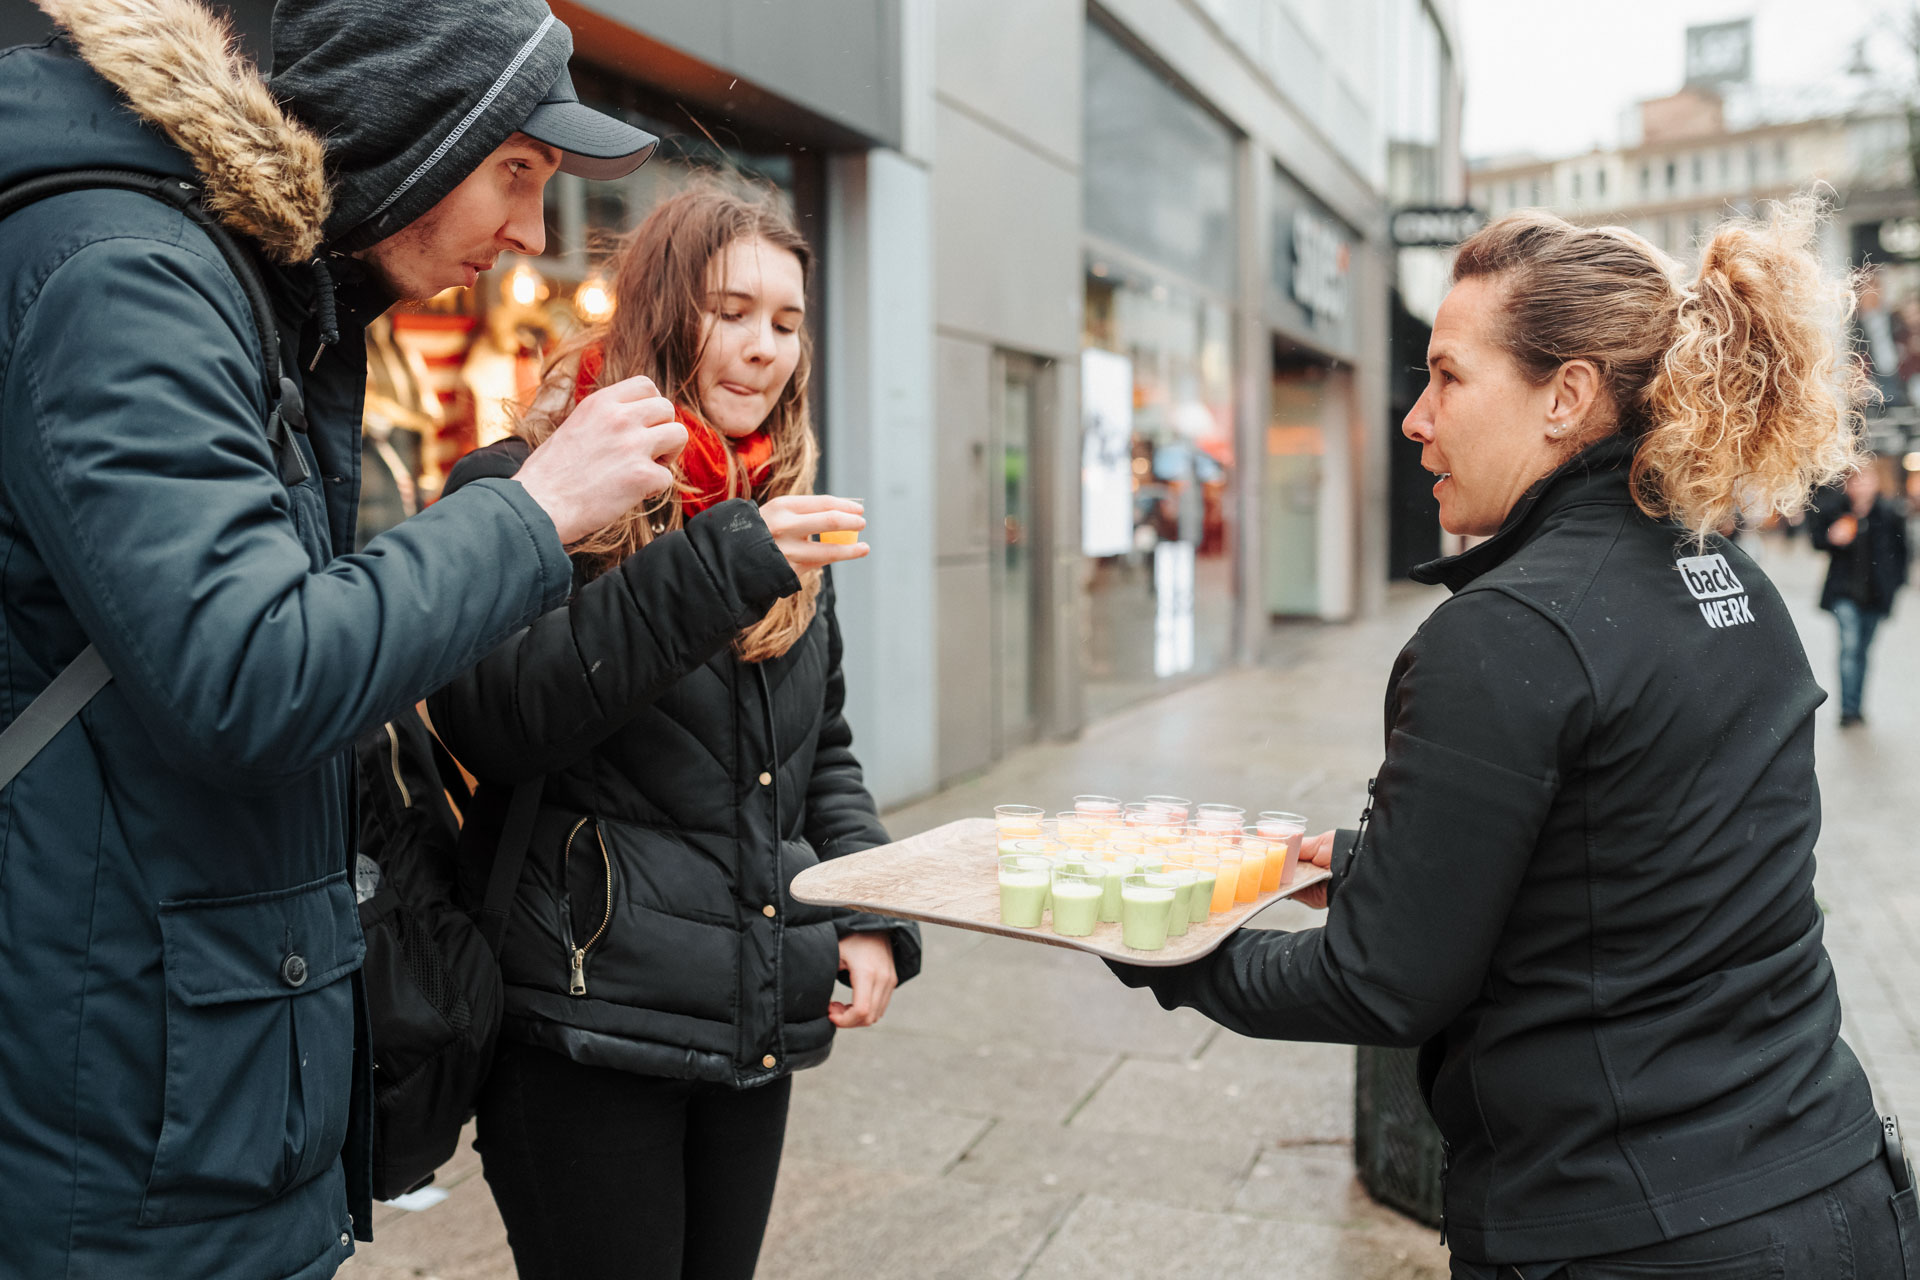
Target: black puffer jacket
1586, 890
684, 791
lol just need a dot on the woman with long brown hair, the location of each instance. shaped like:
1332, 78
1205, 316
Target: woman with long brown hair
684, 711
1583, 885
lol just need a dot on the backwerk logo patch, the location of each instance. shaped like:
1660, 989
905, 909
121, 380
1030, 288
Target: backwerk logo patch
1723, 601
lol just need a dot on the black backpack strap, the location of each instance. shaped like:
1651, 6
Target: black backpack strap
516, 836
51, 711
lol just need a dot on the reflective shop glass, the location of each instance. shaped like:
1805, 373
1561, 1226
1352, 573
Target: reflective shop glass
1159, 167
1157, 470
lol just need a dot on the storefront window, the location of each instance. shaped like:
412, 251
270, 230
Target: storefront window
1157, 466
1158, 499
1159, 168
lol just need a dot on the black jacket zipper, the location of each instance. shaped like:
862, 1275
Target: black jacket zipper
577, 956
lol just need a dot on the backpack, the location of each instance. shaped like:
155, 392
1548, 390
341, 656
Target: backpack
432, 972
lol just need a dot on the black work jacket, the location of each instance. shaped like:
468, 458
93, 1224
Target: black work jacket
1585, 888
1871, 569
684, 790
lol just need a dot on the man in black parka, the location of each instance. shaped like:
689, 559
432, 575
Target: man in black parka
1865, 538
182, 1067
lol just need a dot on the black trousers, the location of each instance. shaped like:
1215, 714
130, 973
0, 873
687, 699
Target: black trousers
1856, 1229
606, 1175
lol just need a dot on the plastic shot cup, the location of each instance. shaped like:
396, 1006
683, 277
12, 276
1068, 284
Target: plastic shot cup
1098, 806
1277, 824
1146, 908
1227, 882
1175, 807
839, 537
1253, 868
1206, 872
1184, 883
1017, 822
1078, 831
1219, 817
1025, 879
1077, 890
1113, 869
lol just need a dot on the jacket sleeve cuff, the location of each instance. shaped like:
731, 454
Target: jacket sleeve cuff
750, 570
556, 571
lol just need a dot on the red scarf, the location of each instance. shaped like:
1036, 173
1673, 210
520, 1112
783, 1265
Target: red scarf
704, 467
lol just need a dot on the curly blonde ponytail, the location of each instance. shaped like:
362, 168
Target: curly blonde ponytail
1753, 406
1731, 384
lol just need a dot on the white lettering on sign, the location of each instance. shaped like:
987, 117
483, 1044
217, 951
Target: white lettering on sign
1712, 582
1727, 613
1709, 577
1320, 258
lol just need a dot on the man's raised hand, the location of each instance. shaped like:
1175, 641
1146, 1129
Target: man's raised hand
610, 455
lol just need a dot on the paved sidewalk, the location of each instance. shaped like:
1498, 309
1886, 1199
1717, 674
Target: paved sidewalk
1020, 1114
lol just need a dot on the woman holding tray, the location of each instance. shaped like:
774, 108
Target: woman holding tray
1583, 884
684, 708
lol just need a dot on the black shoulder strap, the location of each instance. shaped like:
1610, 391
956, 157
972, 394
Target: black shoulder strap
87, 674
516, 836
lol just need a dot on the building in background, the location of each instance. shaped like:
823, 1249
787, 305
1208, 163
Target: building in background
1105, 315
1722, 147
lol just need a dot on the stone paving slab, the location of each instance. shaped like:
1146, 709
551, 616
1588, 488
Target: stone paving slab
832, 1221
1129, 1239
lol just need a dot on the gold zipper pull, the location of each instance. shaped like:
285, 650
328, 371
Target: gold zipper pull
578, 987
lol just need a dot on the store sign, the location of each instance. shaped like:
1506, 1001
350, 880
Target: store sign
1720, 53
1311, 272
1435, 228
1106, 453
1321, 258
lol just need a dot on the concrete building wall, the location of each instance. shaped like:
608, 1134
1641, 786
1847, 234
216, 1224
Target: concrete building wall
1007, 219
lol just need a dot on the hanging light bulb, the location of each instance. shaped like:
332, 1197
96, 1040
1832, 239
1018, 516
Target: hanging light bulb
593, 300
524, 285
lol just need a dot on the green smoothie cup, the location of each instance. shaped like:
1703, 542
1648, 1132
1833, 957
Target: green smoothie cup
1024, 881
1206, 870
1115, 868
1146, 907
1077, 890
1183, 886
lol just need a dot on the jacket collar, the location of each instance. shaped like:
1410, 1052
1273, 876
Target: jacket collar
1597, 473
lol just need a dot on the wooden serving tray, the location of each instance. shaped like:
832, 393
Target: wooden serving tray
949, 876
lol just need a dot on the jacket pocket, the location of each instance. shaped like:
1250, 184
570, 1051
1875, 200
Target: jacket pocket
259, 1068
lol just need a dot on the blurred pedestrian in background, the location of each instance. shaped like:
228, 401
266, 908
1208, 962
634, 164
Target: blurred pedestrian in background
1584, 883
686, 709
1865, 538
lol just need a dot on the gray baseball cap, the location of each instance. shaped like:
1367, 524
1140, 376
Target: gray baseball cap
593, 144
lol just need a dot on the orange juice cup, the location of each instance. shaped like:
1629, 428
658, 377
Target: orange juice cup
1017, 822
1226, 883
1253, 868
1279, 826
840, 537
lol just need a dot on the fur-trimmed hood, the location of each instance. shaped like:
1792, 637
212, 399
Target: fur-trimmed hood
175, 64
